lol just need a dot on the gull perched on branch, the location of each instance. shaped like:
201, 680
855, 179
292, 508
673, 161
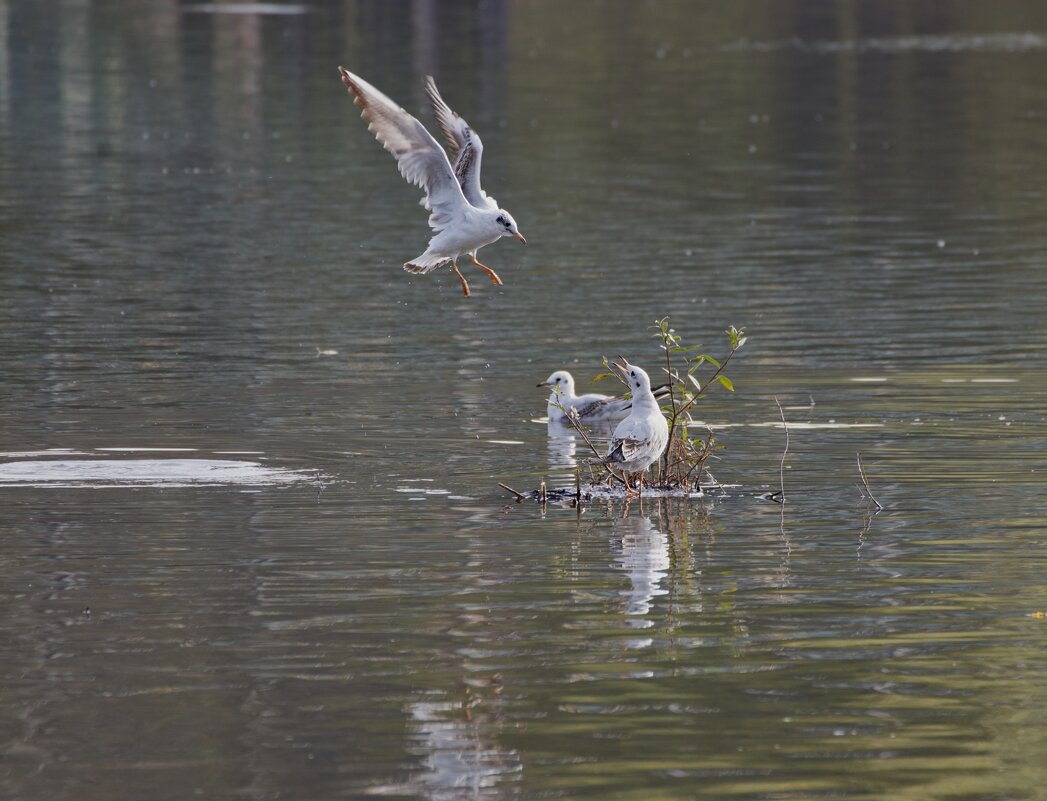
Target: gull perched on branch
640, 438
463, 216
589, 408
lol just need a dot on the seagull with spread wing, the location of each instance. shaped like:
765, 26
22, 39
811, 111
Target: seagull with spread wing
464, 217
638, 441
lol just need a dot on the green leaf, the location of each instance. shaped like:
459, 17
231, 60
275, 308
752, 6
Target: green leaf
601, 377
726, 382
710, 360
695, 382
735, 335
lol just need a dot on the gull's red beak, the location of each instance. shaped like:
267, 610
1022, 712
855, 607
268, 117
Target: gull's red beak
519, 236
624, 366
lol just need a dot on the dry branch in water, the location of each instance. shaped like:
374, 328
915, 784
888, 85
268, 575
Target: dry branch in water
573, 420
781, 465
519, 495
865, 481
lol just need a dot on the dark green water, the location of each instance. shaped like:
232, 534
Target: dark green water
200, 249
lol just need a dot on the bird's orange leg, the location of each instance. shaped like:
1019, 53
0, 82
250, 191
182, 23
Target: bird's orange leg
465, 284
488, 270
629, 491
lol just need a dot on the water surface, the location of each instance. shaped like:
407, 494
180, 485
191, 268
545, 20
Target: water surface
200, 267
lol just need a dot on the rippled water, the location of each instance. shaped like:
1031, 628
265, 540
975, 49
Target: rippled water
252, 540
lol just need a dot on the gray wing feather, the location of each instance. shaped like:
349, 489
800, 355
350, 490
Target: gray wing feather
464, 145
630, 447
591, 408
419, 156
624, 450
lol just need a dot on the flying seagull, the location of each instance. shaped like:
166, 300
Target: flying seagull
463, 216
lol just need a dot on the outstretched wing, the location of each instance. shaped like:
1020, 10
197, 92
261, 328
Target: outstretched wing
421, 159
464, 145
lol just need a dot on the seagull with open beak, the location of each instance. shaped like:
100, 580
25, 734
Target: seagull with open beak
638, 441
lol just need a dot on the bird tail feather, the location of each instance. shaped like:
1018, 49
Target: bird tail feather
426, 263
614, 457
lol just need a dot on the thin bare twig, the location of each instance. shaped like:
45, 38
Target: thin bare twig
865, 481
781, 466
703, 457
578, 427
663, 467
519, 495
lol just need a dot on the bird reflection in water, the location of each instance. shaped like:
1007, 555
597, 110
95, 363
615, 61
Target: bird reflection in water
645, 560
564, 442
463, 758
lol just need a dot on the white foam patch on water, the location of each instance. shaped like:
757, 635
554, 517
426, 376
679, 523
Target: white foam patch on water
812, 426
49, 452
95, 473
148, 450
979, 380
245, 8
791, 425
929, 43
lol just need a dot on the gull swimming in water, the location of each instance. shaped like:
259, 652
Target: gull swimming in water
590, 408
637, 441
463, 216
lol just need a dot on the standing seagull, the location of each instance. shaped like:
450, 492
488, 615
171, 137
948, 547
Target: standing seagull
591, 408
641, 437
463, 216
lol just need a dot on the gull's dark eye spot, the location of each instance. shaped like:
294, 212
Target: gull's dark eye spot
502, 220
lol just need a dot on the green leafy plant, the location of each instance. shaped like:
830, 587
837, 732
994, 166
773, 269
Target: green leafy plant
691, 372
